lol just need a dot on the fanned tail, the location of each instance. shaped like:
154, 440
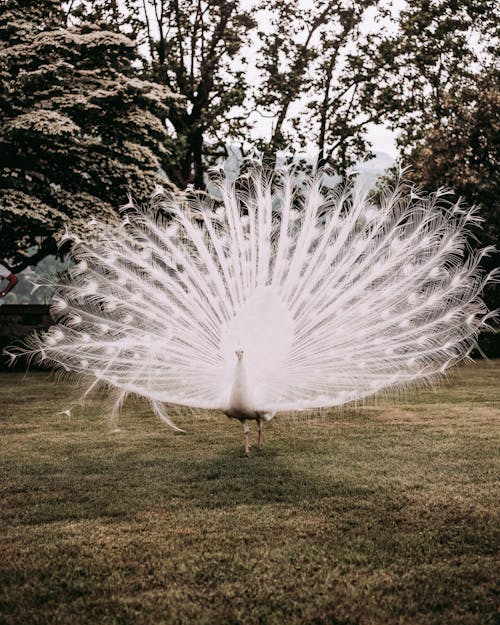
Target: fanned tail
332, 297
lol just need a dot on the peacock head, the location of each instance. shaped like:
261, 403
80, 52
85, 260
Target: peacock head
239, 354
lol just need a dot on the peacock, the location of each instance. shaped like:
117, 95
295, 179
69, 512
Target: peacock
275, 293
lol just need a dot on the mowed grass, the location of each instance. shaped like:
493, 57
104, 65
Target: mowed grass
383, 514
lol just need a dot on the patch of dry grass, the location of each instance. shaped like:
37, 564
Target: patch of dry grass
379, 515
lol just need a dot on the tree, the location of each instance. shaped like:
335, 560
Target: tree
438, 47
315, 58
80, 127
201, 50
463, 153
195, 51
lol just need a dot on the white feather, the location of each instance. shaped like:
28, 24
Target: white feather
330, 298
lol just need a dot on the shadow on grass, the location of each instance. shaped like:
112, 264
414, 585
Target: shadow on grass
113, 484
267, 477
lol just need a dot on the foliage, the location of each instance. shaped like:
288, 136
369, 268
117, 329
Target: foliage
463, 152
317, 57
464, 156
440, 93
194, 50
439, 48
81, 127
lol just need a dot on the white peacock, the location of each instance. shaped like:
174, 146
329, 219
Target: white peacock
281, 296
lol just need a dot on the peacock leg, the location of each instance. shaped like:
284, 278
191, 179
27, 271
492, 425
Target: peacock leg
259, 433
246, 430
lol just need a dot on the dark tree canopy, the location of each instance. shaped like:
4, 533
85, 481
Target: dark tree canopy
439, 90
80, 127
463, 154
440, 94
439, 48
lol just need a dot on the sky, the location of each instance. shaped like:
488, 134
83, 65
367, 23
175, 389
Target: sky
382, 139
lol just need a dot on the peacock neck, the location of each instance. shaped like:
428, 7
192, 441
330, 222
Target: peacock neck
240, 398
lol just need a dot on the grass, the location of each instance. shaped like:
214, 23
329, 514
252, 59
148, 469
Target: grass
384, 514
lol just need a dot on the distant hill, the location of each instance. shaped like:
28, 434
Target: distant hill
369, 170
372, 169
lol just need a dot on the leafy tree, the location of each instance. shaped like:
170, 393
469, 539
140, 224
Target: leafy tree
464, 156
439, 47
79, 127
316, 58
201, 49
463, 153
195, 50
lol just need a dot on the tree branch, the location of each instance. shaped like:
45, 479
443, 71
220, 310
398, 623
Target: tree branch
48, 247
181, 68
148, 29
298, 62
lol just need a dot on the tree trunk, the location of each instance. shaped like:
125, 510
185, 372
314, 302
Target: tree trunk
197, 152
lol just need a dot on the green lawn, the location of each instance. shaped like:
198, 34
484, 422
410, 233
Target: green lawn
378, 515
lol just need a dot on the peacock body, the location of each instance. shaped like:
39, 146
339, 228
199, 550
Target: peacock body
324, 297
